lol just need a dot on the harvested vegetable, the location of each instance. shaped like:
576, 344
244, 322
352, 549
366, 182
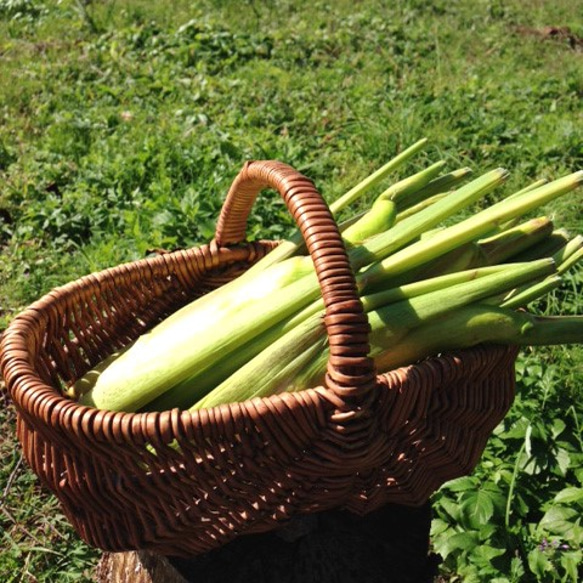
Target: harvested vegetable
427, 283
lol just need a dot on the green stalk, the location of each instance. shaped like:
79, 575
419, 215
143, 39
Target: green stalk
260, 376
191, 340
565, 259
523, 295
480, 324
438, 185
519, 193
230, 317
196, 387
462, 258
393, 327
290, 247
376, 178
274, 369
385, 205
385, 244
529, 188
546, 248
405, 214
401, 190
168, 355
472, 228
379, 218
424, 308
510, 242
569, 255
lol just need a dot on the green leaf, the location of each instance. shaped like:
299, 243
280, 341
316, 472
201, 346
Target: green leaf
558, 427
485, 553
539, 563
451, 508
518, 430
438, 526
516, 568
570, 495
571, 562
563, 461
487, 531
461, 541
462, 484
563, 521
478, 508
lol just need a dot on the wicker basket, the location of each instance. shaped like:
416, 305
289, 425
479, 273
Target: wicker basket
359, 442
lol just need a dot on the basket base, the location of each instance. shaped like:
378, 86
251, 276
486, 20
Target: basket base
390, 545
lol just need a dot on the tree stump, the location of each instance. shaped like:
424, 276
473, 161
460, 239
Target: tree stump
388, 546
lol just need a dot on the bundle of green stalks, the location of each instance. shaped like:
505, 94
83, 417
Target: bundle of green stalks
433, 274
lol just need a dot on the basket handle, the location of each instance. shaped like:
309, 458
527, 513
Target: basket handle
350, 373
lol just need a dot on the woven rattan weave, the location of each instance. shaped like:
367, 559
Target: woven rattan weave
183, 483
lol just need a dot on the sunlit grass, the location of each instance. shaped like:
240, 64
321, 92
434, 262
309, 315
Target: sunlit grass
122, 126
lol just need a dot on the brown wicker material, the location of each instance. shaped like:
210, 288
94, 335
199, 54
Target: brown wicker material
181, 484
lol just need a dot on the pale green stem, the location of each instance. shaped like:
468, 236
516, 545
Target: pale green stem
480, 324
399, 191
546, 248
438, 185
565, 259
525, 190
403, 233
388, 324
376, 178
469, 229
290, 247
569, 255
514, 240
523, 295
378, 219
160, 361
419, 206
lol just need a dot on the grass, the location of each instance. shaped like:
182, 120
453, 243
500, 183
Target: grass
123, 123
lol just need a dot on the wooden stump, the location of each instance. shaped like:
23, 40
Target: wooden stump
388, 546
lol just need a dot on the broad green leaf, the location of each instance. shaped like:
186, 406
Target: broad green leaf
518, 430
461, 541
563, 461
539, 563
488, 530
571, 561
451, 508
461, 484
558, 427
477, 508
570, 495
485, 553
562, 520
438, 526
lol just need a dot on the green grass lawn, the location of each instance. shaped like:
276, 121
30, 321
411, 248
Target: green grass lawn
123, 123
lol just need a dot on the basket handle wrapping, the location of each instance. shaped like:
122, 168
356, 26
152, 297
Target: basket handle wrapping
350, 372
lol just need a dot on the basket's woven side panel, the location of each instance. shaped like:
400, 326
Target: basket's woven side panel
436, 418
189, 483
182, 484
